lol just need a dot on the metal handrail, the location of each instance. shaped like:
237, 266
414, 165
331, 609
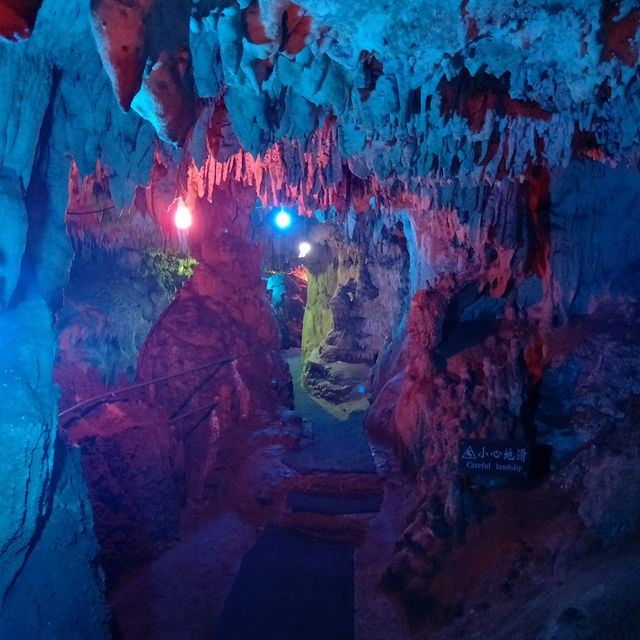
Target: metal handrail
89, 212
116, 392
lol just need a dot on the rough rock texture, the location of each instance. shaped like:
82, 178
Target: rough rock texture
151, 451
124, 273
476, 168
143, 46
17, 18
228, 294
209, 322
112, 301
120, 33
358, 288
476, 91
289, 299
497, 349
61, 563
131, 463
47, 525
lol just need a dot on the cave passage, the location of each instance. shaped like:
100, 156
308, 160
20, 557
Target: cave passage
298, 581
296, 576
265, 268
336, 446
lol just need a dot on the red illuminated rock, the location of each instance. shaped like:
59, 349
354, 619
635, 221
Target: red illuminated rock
120, 31
151, 67
131, 462
166, 96
618, 34
17, 18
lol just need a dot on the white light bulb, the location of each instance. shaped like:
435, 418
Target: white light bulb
303, 248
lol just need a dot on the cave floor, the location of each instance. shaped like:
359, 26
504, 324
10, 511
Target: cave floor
303, 561
336, 445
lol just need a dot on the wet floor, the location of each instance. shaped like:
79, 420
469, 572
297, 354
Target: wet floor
293, 584
334, 445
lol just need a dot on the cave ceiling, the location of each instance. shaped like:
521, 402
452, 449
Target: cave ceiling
422, 91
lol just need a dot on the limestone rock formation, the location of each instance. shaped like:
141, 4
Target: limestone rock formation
143, 46
468, 174
289, 299
47, 525
358, 288
120, 33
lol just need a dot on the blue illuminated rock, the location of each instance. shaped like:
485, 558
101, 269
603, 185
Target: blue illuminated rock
476, 164
48, 565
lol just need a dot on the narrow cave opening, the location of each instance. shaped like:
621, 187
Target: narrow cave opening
337, 302
338, 296
285, 240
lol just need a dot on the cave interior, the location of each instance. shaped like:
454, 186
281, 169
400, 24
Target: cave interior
319, 321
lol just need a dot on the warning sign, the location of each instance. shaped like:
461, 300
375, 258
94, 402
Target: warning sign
469, 454
506, 458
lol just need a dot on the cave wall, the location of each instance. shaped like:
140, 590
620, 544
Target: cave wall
201, 350
288, 293
502, 138
47, 521
61, 563
46, 508
125, 271
505, 343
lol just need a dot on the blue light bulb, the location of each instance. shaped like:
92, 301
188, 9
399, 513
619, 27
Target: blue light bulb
283, 219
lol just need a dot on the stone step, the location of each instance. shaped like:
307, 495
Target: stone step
335, 493
332, 504
339, 528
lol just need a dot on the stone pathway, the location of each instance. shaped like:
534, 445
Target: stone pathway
298, 580
334, 445
291, 587
310, 563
